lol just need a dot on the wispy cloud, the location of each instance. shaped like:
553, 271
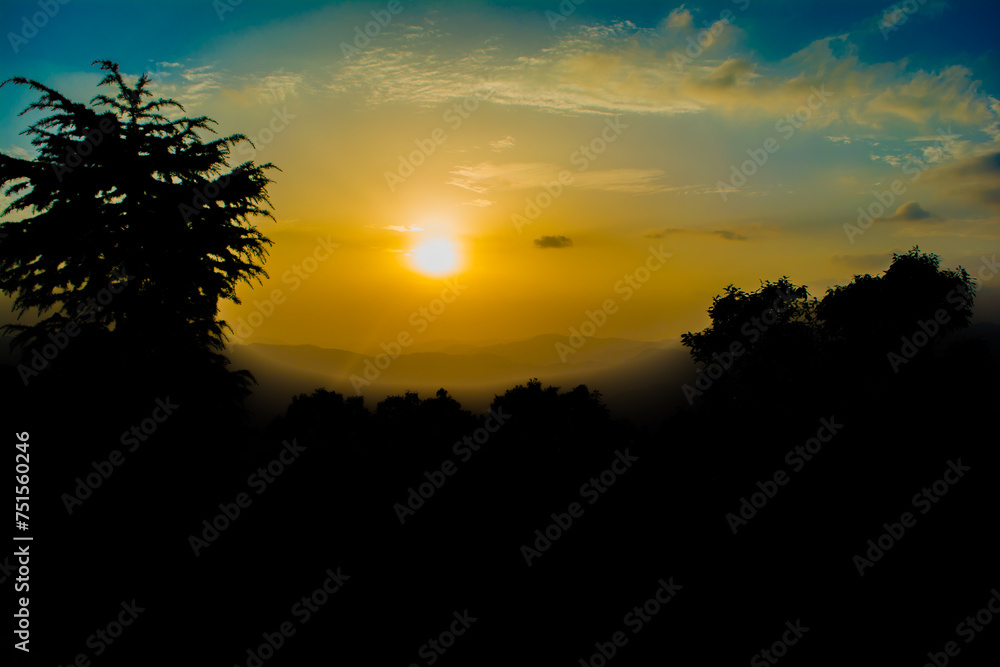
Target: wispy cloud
725, 234
200, 83
268, 88
489, 177
617, 67
502, 144
975, 179
909, 212
18, 152
867, 263
679, 18
635, 181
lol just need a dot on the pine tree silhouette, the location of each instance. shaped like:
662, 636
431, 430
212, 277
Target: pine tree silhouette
135, 229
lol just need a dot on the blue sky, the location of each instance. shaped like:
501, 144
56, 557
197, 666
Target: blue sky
137, 32
910, 84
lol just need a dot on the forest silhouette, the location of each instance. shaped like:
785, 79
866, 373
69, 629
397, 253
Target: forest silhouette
154, 216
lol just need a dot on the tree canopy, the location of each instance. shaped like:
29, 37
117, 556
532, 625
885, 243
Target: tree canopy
776, 344
130, 225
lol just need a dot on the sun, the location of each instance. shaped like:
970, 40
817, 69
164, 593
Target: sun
439, 257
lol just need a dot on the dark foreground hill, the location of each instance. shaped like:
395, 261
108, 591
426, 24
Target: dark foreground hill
379, 532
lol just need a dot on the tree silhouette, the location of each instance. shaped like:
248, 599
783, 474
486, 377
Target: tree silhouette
796, 350
759, 345
545, 419
776, 307
135, 227
873, 312
422, 423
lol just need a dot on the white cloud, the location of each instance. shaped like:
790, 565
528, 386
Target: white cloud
488, 177
679, 18
273, 88
635, 181
502, 144
18, 152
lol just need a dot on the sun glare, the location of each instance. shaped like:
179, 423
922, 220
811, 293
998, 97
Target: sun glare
439, 257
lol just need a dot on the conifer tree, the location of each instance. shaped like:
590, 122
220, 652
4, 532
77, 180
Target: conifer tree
131, 227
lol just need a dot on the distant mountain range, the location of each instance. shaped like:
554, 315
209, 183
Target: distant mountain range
638, 380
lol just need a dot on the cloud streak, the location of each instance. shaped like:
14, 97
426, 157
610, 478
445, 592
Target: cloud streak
725, 234
911, 211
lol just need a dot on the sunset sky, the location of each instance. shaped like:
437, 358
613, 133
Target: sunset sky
493, 103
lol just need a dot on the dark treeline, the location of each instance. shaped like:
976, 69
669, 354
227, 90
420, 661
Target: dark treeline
815, 426
430, 509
